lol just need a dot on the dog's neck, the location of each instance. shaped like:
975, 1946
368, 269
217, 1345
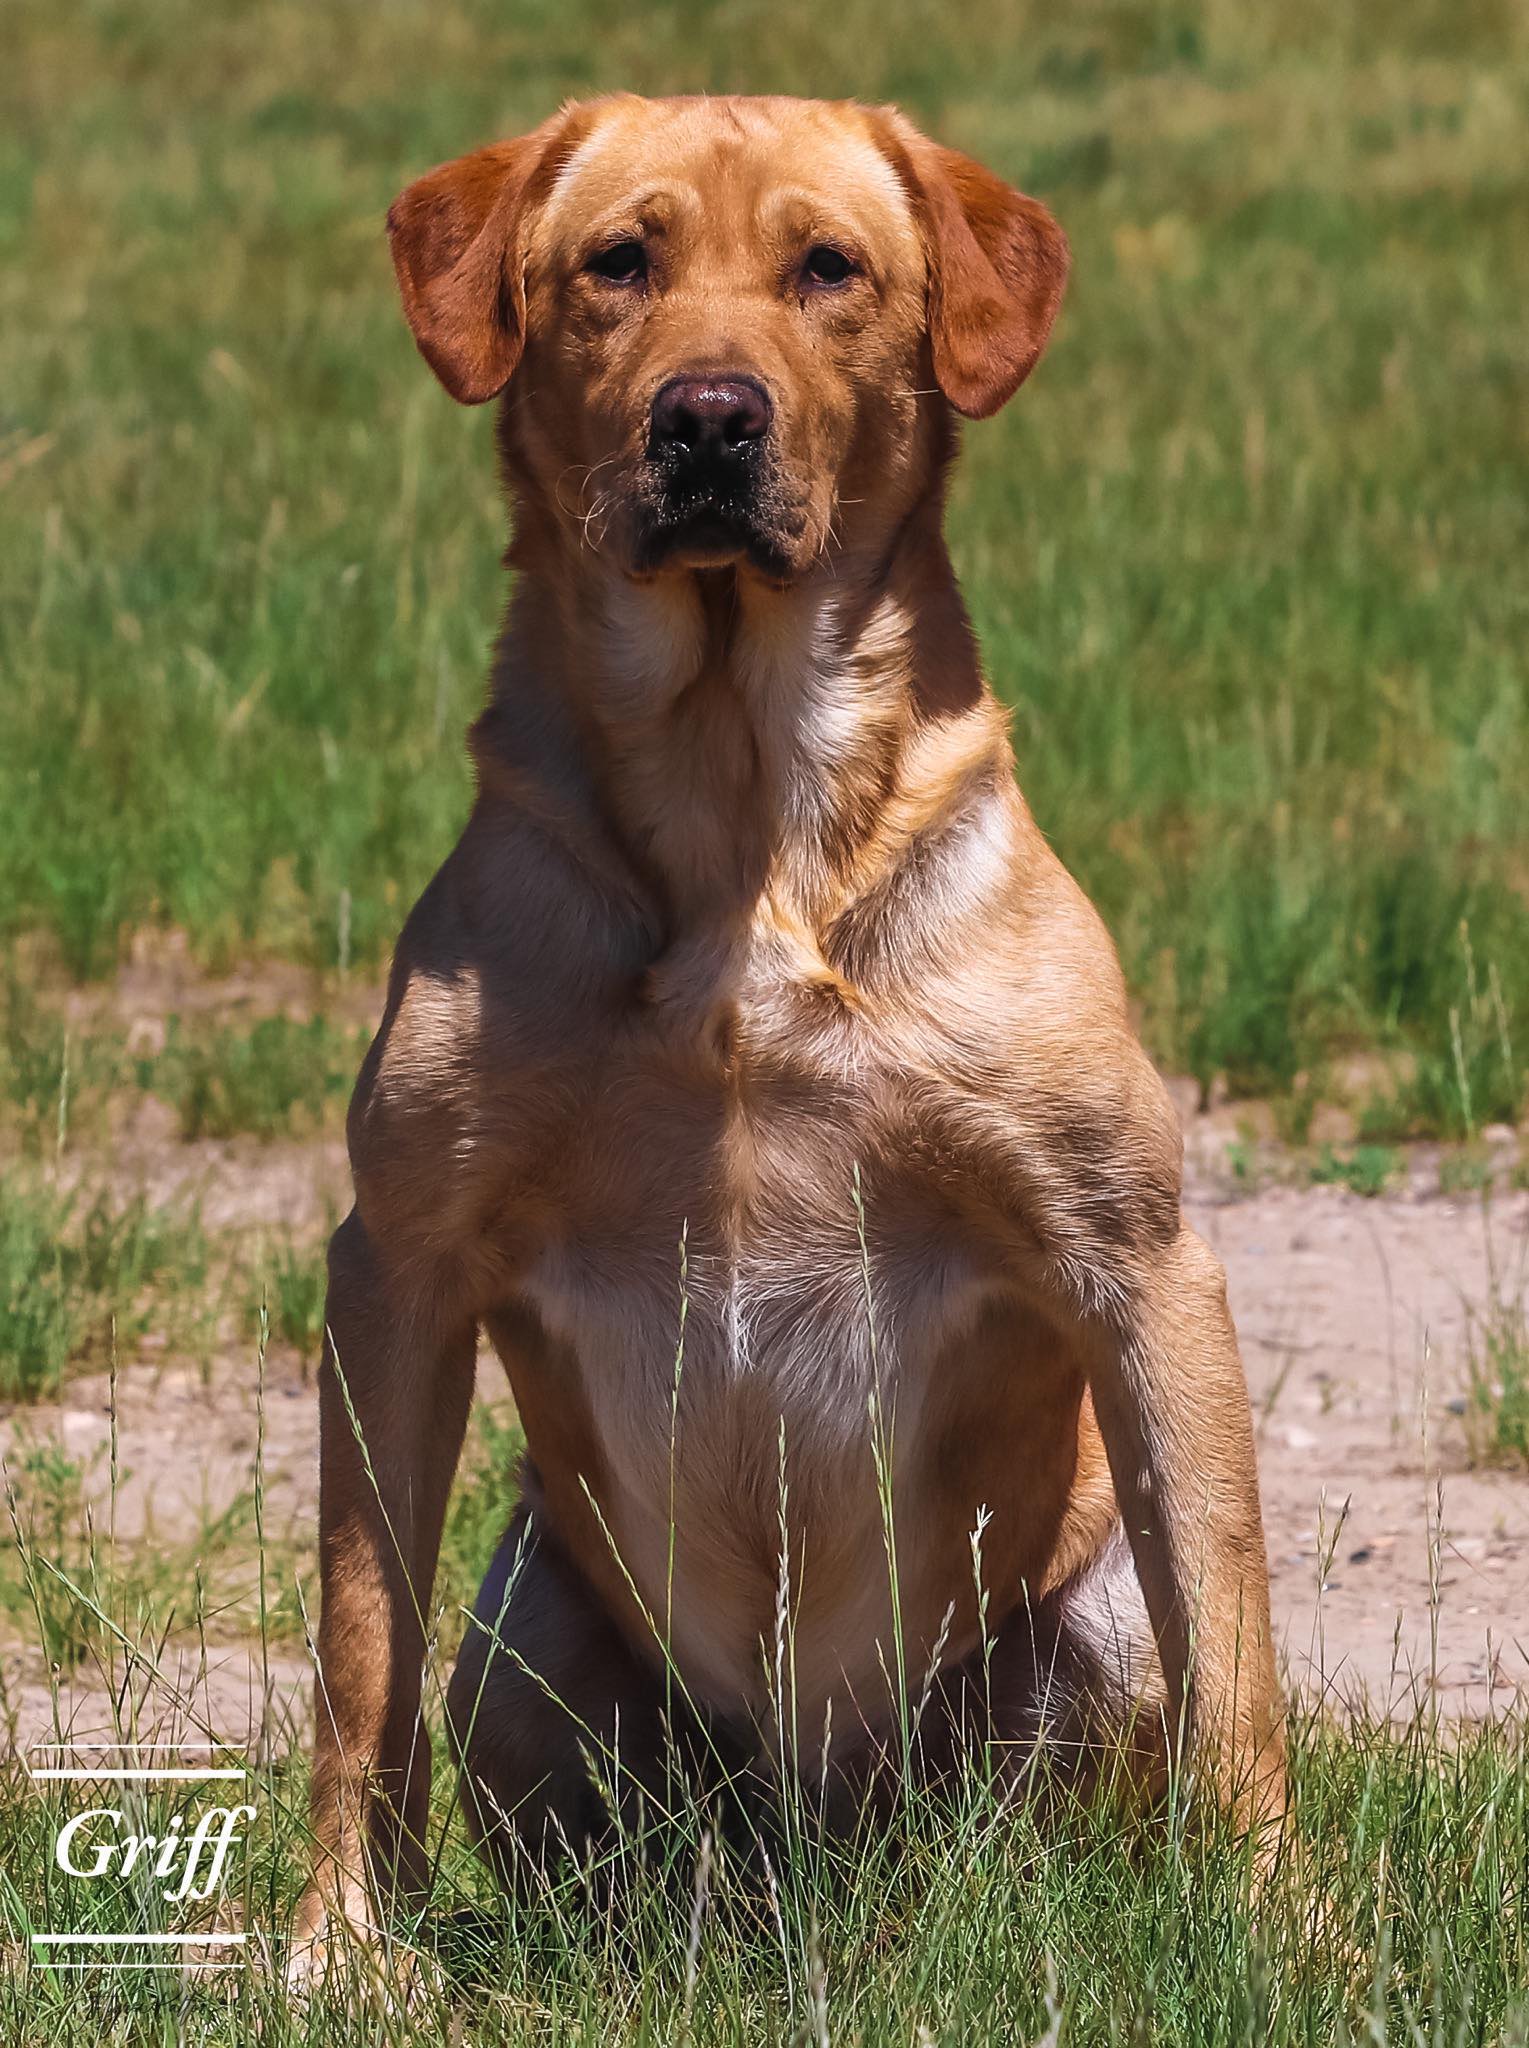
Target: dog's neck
758, 754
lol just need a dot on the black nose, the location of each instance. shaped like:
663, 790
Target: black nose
709, 417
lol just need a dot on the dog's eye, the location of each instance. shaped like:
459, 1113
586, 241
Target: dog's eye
827, 266
621, 263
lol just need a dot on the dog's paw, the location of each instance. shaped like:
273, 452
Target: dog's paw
331, 1938
338, 1949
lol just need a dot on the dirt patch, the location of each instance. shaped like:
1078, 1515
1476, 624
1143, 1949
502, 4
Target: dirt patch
1397, 1570
160, 978
291, 1185
225, 1693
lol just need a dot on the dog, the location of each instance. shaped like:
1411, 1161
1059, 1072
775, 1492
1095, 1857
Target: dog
753, 991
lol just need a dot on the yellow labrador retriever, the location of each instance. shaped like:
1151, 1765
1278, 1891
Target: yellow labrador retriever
750, 940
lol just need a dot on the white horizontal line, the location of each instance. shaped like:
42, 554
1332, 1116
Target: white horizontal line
141, 1771
158, 1940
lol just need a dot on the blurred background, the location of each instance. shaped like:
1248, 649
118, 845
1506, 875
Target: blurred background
1247, 556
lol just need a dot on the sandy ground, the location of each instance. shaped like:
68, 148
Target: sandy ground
1399, 1572
1396, 1569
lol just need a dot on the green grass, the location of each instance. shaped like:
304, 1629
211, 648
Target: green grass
1496, 1401
487, 1484
1395, 1914
287, 1289
277, 1077
1366, 1169
87, 1278
81, 1279
1396, 1911
1245, 556
271, 1077
70, 1590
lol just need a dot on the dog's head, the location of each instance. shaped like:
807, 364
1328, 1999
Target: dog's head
723, 322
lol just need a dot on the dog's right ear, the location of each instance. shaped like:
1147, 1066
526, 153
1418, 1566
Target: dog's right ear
457, 236
997, 266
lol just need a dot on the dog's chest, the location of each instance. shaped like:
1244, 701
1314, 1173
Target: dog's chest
750, 1279
760, 1210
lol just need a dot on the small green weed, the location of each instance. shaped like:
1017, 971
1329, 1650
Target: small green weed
45, 1493
1496, 1414
38, 1317
1242, 1162
1366, 1169
290, 1285
56, 1079
1468, 1076
1465, 1172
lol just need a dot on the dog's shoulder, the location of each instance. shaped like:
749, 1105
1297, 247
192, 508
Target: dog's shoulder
1039, 1081
408, 1098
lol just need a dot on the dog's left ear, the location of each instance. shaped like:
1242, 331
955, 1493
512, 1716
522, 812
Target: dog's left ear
997, 267
457, 236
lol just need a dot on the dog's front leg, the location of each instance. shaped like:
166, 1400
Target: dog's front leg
394, 1393
1172, 1405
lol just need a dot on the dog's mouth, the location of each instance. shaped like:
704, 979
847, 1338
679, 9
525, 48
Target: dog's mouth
714, 511
709, 533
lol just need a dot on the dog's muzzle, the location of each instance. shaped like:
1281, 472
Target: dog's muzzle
709, 463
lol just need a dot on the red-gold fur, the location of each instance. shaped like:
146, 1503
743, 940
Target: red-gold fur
750, 924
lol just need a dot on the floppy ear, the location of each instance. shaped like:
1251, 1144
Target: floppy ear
457, 242
997, 266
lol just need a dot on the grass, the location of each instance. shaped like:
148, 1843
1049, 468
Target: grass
1243, 557
77, 1594
277, 1077
88, 1278
72, 1592
287, 1289
480, 1505
973, 1933
1396, 1911
1496, 1398
273, 1076
1366, 1169
80, 1281
1399, 1909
